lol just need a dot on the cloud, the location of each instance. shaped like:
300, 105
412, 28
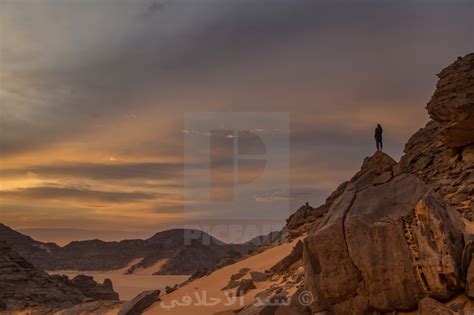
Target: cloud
81, 79
83, 195
156, 7
90, 82
123, 171
169, 208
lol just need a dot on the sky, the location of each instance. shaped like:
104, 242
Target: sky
96, 97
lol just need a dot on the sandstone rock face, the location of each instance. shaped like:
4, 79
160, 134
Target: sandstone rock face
442, 153
429, 306
383, 246
390, 237
22, 285
452, 176
303, 219
452, 104
470, 280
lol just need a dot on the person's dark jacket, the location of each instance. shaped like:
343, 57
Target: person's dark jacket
378, 133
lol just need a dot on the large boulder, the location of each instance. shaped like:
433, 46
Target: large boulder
452, 104
384, 245
94, 290
245, 286
258, 276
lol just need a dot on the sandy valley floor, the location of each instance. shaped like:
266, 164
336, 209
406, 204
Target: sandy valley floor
128, 286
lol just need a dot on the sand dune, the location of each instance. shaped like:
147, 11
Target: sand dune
209, 287
152, 269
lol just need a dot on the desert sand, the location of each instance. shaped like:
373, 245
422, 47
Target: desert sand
152, 269
128, 286
209, 287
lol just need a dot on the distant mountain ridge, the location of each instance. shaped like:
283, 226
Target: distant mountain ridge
205, 252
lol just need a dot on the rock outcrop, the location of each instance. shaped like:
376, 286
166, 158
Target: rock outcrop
23, 286
452, 104
452, 176
28, 248
391, 235
94, 290
245, 286
303, 219
442, 153
386, 242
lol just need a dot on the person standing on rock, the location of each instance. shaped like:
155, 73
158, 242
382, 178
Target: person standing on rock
378, 137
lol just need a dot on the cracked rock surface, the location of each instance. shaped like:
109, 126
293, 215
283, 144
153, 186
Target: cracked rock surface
383, 247
442, 153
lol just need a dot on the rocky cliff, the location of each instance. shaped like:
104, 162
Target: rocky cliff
452, 104
442, 153
391, 235
386, 242
22, 286
392, 238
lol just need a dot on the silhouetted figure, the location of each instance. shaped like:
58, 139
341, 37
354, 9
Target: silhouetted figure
378, 137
